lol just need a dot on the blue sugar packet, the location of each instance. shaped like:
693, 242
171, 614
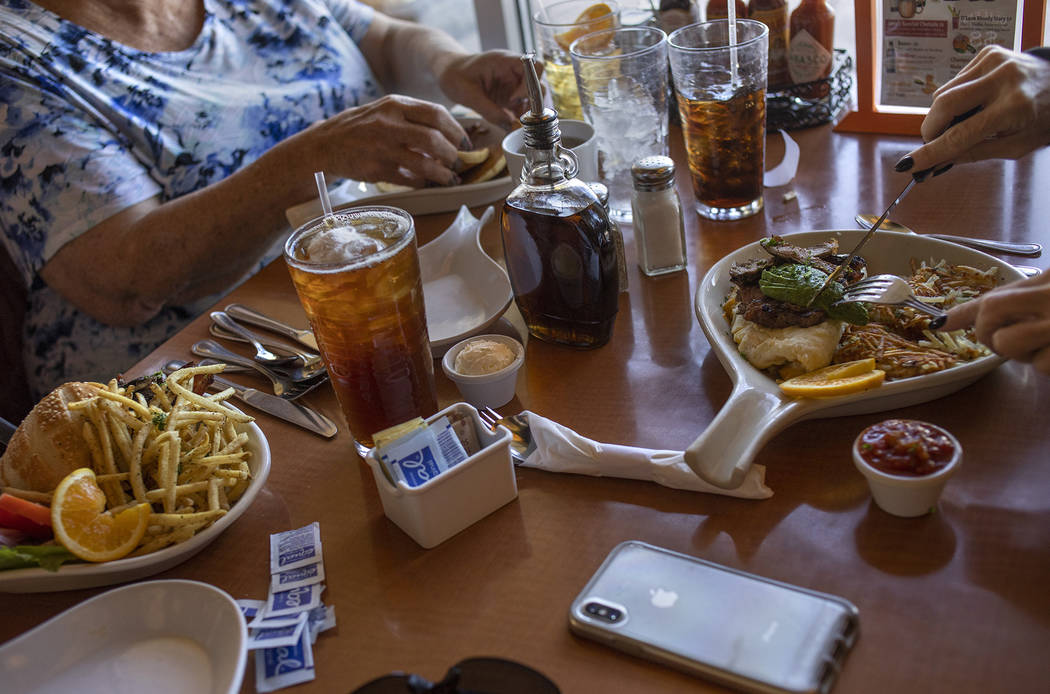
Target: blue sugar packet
294, 548
297, 578
320, 619
250, 608
274, 637
423, 454
277, 668
291, 602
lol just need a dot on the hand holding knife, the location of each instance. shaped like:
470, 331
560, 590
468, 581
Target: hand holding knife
917, 177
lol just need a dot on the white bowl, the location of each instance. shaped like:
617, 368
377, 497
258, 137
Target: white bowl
907, 495
157, 636
486, 390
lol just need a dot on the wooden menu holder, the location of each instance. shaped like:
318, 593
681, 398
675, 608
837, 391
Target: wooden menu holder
869, 117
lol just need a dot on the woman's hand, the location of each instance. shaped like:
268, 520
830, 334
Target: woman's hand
491, 83
1012, 92
1014, 320
396, 139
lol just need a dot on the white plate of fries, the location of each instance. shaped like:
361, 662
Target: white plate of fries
160, 636
185, 520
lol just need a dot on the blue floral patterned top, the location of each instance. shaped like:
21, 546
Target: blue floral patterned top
89, 127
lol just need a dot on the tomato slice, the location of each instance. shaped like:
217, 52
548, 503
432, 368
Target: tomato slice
38, 513
23, 524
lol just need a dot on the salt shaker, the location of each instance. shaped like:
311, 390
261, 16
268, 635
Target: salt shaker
659, 231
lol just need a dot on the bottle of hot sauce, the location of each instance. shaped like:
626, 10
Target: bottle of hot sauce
719, 9
812, 30
774, 14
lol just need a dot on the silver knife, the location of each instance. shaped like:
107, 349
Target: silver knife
243, 313
288, 410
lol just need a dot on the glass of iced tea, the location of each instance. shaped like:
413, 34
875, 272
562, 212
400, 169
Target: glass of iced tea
721, 90
557, 25
357, 276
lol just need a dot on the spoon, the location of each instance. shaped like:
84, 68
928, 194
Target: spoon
1026, 249
285, 384
262, 355
304, 357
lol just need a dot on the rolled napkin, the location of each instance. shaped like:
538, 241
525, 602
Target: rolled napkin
560, 449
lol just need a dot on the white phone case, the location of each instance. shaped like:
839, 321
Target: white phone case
736, 628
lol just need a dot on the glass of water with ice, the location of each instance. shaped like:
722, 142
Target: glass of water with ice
622, 78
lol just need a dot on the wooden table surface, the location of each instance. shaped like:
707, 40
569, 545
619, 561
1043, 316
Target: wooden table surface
956, 601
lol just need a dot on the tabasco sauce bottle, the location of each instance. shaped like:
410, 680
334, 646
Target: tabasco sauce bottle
812, 30
774, 14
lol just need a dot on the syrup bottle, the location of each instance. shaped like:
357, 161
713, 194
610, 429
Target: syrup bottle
557, 241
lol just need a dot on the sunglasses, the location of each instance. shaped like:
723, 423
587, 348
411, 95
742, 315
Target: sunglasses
470, 676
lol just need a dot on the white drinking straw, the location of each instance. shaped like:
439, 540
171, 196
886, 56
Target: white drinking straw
322, 190
731, 7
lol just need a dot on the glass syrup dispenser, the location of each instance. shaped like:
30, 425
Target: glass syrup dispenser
557, 239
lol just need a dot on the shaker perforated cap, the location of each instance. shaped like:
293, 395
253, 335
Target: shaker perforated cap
654, 172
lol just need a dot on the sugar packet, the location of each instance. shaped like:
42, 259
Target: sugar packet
297, 578
295, 548
288, 602
277, 668
422, 454
275, 637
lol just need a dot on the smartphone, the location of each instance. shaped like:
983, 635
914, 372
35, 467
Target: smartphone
741, 630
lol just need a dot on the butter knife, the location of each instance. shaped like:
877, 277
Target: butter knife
248, 315
288, 410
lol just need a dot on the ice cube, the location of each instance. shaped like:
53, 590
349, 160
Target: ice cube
341, 244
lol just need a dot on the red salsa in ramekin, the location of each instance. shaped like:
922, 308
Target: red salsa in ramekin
905, 447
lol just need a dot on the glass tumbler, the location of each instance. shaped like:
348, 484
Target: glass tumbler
622, 78
557, 25
721, 92
357, 276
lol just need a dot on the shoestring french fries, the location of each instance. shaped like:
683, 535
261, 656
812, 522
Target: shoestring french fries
161, 443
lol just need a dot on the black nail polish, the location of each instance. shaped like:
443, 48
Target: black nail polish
941, 170
465, 144
921, 176
904, 164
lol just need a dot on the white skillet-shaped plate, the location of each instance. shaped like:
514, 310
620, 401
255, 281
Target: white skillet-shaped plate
757, 410
77, 576
158, 636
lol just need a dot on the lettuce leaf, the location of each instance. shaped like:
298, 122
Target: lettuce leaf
48, 557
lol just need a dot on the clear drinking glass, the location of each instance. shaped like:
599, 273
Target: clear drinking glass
722, 103
357, 276
557, 25
622, 78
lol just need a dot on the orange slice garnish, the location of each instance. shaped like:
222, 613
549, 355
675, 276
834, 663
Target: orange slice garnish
837, 379
83, 526
587, 22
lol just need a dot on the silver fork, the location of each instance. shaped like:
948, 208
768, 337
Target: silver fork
892, 290
521, 442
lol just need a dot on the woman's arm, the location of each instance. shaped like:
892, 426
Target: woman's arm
125, 269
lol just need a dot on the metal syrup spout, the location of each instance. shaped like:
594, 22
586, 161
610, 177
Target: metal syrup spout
540, 122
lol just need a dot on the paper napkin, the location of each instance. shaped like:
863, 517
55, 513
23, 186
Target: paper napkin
560, 449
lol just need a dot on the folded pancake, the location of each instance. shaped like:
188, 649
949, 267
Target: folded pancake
49, 443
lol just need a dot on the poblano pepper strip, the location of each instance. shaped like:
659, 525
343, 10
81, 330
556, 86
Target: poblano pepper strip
797, 284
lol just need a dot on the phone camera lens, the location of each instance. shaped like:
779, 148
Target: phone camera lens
603, 612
